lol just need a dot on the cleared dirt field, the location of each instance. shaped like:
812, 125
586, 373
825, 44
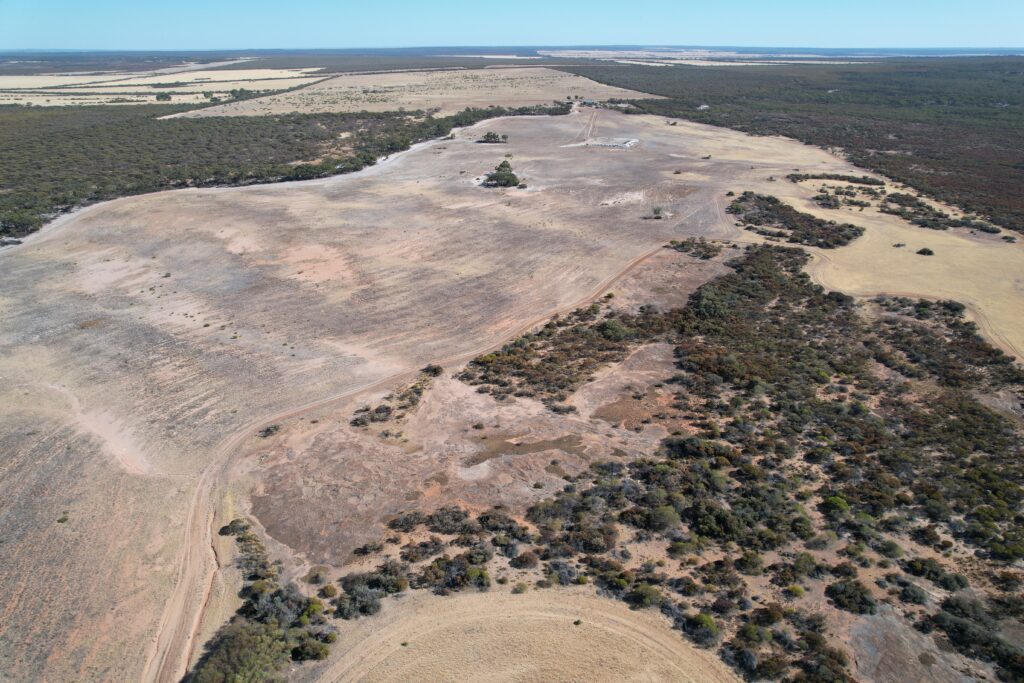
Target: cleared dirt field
447, 92
184, 84
145, 341
497, 636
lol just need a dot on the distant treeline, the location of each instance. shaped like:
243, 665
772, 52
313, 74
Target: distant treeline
952, 127
59, 158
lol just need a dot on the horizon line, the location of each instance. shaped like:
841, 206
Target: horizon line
508, 46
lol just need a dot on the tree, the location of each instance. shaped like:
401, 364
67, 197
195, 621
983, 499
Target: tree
492, 138
852, 596
644, 595
662, 518
502, 176
702, 628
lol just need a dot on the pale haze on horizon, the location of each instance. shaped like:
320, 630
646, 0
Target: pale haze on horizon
257, 24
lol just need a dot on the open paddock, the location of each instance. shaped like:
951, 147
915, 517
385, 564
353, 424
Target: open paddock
144, 343
446, 92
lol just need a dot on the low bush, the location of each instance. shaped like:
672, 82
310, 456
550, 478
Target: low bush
851, 596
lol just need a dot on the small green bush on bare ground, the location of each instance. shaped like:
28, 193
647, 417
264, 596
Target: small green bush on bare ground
396, 405
502, 176
698, 247
492, 138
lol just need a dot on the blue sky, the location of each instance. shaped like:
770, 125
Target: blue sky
237, 24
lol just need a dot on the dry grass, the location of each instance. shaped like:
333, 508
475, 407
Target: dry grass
498, 636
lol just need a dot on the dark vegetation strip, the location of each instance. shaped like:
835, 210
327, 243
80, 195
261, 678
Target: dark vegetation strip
857, 180
275, 624
769, 217
952, 128
59, 158
697, 247
797, 404
918, 212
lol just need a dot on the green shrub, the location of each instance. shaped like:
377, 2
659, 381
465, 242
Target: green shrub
644, 595
851, 596
243, 651
502, 176
702, 629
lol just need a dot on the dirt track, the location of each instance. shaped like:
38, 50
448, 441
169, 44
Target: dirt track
175, 646
181, 317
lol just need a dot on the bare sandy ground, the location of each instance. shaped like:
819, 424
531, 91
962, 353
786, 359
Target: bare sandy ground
144, 341
497, 636
448, 92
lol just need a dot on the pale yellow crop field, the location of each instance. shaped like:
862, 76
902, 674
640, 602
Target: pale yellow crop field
559, 635
185, 86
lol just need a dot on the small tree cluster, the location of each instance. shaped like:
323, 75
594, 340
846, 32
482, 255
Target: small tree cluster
502, 176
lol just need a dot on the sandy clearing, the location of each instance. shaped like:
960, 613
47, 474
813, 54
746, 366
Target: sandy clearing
497, 636
448, 91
